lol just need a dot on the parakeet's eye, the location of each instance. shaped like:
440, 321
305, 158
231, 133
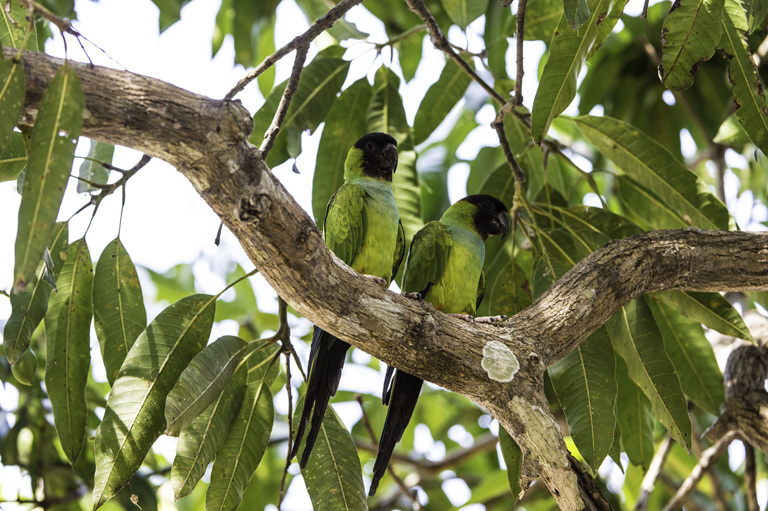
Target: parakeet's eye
369, 147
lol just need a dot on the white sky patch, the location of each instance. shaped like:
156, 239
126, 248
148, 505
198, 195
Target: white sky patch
499, 361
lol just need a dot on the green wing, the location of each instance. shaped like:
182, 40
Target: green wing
399, 249
345, 221
427, 258
480, 290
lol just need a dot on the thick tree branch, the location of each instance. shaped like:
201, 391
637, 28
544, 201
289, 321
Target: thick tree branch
499, 367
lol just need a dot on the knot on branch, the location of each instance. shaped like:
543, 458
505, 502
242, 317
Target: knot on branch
253, 207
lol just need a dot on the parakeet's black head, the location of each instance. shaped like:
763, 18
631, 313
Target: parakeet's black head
491, 217
379, 155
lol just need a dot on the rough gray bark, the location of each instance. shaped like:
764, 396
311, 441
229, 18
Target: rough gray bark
499, 367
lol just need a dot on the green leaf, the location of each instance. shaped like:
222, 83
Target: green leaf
54, 137
242, 450
751, 109
688, 38
692, 355
568, 53
646, 207
576, 12
92, 168
636, 337
68, 356
333, 475
28, 307
650, 164
199, 442
266, 45
260, 366
409, 51
439, 100
586, 388
14, 25
170, 12
118, 306
541, 20
513, 458
464, 12
12, 91
635, 418
731, 132
13, 158
495, 37
344, 124
712, 309
202, 381
134, 418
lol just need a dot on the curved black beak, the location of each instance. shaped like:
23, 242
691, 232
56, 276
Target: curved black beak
387, 159
500, 224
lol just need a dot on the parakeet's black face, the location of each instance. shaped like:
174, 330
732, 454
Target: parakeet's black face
492, 217
379, 155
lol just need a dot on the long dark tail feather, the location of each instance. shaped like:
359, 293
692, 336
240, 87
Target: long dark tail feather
402, 398
327, 355
387, 387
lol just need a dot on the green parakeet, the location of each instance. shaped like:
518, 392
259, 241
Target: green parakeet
363, 228
445, 267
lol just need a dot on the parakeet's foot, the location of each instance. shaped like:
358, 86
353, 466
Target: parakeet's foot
376, 279
465, 317
491, 320
413, 296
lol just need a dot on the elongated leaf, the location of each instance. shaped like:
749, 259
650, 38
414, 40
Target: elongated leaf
440, 98
92, 168
576, 12
343, 126
586, 388
495, 37
692, 355
266, 47
513, 458
636, 337
333, 475
13, 158
464, 12
747, 91
650, 164
711, 309
688, 38
242, 450
134, 418
54, 137
567, 55
68, 356
202, 382
260, 357
646, 207
28, 307
12, 91
199, 443
635, 418
14, 25
541, 20
118, 306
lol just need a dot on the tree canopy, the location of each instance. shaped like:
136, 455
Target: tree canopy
629, 276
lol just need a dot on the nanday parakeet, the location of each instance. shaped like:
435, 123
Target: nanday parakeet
445, 267
363, 228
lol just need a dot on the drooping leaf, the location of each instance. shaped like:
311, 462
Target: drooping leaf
202, 382
242, 450
439, 100
636, 337
635, 418
650, 164
464, 12
586, 388
118, 306
170, 12
568, 52
13, 158
688, 38
513, 458
134, 418
576, 12
731, 133
266, 46
333, 475
692, 355
28, 307
54, 137
495, 37
344, 124
68, 356
342, 29
14, 24
647, 208
199, 442
541, 20
751, 109
261, 364
711, 309
12, 91
92, 169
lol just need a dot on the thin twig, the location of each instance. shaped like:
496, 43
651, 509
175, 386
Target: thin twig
400, 484
707, 459
318, 27
520, 38
285, 101
750, 478
290, 427
498, 125
649, 481
441, 43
